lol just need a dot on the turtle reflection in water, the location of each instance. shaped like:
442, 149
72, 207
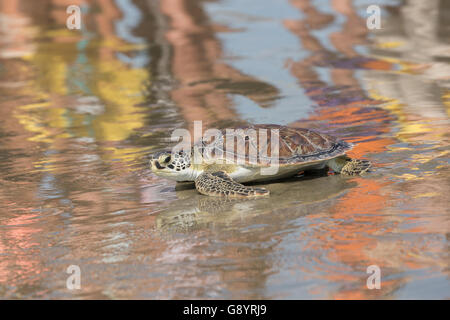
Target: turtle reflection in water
290, 198
299, 150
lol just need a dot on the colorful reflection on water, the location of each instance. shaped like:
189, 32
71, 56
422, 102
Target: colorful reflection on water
81, 110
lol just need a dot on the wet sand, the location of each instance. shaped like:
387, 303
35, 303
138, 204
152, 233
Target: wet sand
81, 110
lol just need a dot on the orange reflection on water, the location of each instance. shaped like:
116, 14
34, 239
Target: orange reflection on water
77, 112
17, 241
205, 81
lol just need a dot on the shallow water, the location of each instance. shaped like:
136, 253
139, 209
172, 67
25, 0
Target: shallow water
80, 111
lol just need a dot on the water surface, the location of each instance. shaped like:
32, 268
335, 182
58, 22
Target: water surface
80, 111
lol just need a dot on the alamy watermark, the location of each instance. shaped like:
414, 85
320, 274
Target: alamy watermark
73, 282
74, 20
374, 280
374, 19
230, 146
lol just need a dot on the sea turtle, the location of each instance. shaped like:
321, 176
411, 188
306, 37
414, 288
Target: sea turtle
215, 175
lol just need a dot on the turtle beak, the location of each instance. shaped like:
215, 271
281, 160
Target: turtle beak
158, 160
152, 162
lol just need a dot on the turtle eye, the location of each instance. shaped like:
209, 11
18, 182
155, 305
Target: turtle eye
167, 159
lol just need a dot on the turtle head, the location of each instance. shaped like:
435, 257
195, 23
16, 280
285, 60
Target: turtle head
172, 165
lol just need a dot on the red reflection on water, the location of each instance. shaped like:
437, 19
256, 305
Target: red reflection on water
17, 242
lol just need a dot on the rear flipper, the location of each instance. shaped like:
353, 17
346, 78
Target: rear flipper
220, 184
348, 166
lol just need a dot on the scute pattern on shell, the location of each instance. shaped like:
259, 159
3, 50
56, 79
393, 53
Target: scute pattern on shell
296, 145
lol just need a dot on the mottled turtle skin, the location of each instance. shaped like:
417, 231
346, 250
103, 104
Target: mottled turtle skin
259, 153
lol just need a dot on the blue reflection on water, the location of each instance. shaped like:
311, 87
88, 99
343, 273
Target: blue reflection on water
260, 21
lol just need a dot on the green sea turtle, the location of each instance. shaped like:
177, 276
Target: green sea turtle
208, 163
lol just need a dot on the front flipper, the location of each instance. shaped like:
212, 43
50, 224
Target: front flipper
348, 166
355, 167
220, 184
